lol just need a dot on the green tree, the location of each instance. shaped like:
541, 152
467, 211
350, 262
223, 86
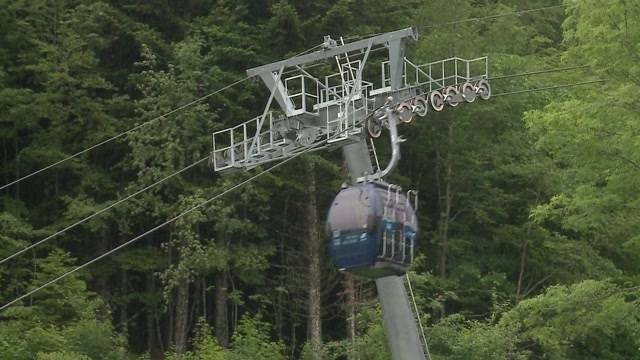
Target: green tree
590, 137
64, 320
588, 320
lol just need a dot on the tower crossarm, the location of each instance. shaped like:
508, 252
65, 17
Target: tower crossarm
394, 40
329, 52
329, 108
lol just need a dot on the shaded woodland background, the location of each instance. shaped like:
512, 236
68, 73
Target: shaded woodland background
530, 238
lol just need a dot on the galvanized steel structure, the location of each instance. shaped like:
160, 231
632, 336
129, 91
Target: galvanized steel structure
337, 108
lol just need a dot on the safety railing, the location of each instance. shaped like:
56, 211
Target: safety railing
398, 230
353, 98
335, 94
437, 74
298, 89
234, 145
352, 110
339, 85
386, 75
331, 93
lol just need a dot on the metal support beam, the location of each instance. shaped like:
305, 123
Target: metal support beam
395, 41
358, 161
396, 63
274, 82
383, 39
356, 87
399, 322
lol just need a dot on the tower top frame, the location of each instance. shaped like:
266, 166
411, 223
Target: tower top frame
335, 109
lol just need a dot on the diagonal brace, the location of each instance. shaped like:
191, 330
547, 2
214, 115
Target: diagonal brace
264, 113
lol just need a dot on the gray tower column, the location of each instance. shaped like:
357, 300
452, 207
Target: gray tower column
399, 322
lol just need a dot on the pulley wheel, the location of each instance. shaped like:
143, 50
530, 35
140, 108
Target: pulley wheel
483, 89
437, 100
265, 139
405, 113
468, 92
374, 127
306, 136
227, 156
238, 152
420, 107
215, 159
449, 94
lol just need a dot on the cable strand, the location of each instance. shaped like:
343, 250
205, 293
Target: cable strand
81, 221
115, 137
155, 228
518, 12
417, 311
549, 88
536, 72
167, 222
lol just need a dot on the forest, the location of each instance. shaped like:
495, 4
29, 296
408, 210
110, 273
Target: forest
529, 243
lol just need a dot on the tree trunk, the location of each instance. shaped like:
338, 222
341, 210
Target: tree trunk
350, 303
161, 341
281, 301
102, 282
123, 308
314, 248
203, 289
56, 190
182, 316
5, 163
221, 324
294, 344
445, 209
15, 145
523, 261
170, 306
523, 257
150, 312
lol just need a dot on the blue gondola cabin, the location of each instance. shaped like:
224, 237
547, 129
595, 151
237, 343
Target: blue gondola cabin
372, 230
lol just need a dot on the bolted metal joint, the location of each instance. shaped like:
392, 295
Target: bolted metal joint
329, 43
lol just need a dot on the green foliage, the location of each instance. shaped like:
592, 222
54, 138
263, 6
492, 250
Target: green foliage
69, 300
65, 321
205, 344
96, 340
15, 234
251, 338
542, 239
588, 320
590, 136
457, 338
371, 342
66, 355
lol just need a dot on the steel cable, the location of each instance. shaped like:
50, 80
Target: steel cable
167, 222
157, 227
104, 142
182, 107
69, 227
417, 311
536, 72
548, 88
518, 12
